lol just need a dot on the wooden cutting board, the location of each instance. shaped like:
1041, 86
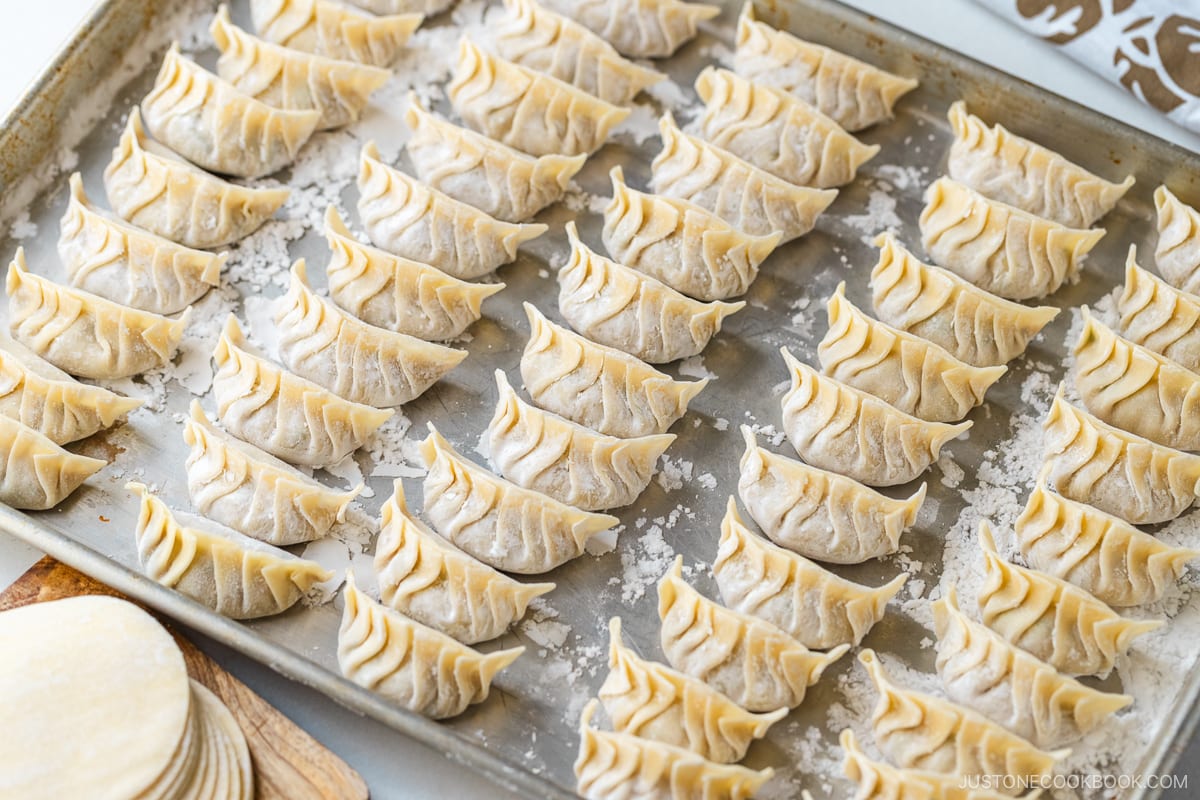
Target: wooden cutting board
288, 763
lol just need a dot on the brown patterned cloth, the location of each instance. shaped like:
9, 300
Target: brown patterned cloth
1151, 47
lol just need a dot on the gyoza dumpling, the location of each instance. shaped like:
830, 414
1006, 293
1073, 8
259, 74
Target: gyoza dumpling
652, 701
878, 780
1000, 248
918, 730
571, 463
852, 93
821, 514
972, 325
1024, 174
397, 293
232, 574
639, 28
544, 41
1158, 316
500, 523
599, 387
528, 110
1120, 473
215, 126
83, 334
293, 79
426, 7
750, 661
128, 265
845, 430
1178, 250
686, 247
984, 671
331, 29
1136, 389
804, 600
360, 362
1051, 619
408, 218
289, 417
430, 580
617, 306
618, 766
493, 177
251, 491
38, 394
1097, 552
777, 132
154, 189
747, 197
912, 374
35, 473
411, 664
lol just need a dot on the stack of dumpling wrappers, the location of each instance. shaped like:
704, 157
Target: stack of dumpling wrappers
97, 702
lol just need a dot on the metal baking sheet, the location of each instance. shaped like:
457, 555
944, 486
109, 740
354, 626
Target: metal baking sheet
524, 736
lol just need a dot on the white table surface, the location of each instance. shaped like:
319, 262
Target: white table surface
394, 766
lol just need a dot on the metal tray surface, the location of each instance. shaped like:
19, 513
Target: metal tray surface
524, 736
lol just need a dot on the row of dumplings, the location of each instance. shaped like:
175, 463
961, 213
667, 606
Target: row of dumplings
1044, 624
127, 273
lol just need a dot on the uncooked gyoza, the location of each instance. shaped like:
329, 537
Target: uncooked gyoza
811, 604
985, 672
819, 514
247, 489
908, 372
1177, 252
500, 523
408, 218
1099, 553
920, 731
842, 429
215, 126
1000, 248
852, 93
154, 189
35, 473
130, 266
474, 169
1118, 472
542, 40
38, 394
747, 197
974, 326
332, 29
620, 307
431, 581
1136, 389
426, 7
411, 664
288, 416
292, 79
1024, 174
1051, 619
777, 132
652, 701
1156, 315
360, 362
232, 574
617, 765
878, 780
750, 661
599, 387
639, 28
686, 247
397, 293
533, 112
83, 334
573, 464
